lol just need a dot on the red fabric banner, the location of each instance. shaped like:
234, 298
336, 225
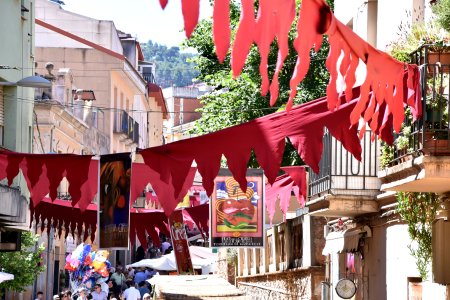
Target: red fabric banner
60, 215
293, 181
385, 75
141, 175
304, 125
180, 244
200, 216
44, 172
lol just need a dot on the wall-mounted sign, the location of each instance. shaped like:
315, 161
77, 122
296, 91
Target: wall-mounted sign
237, 216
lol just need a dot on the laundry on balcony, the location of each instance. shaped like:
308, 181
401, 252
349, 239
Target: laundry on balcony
346, 240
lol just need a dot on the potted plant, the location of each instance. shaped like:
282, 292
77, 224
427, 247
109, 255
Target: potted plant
402, 143
422, 43
386, 156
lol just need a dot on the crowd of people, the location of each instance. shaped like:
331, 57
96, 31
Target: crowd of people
122, 283
129, 284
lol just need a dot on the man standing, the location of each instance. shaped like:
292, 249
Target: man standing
119, 279
98, 294
131, 293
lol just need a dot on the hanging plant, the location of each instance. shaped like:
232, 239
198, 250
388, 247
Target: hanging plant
418, 210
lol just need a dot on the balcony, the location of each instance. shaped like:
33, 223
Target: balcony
149, 77
126, 128
420, 159
344, 187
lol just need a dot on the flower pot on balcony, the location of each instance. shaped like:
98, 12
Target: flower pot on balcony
442, 57
433, 144
435, 115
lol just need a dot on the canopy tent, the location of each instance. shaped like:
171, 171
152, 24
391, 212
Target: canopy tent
202, 258
6, 276
195, 287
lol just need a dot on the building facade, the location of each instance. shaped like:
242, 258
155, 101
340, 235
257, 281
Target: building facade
105, 59
183, 102
363, 242
99, 103
16, 105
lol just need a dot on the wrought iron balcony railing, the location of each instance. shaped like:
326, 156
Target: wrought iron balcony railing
340, 173
125, 125
430, 134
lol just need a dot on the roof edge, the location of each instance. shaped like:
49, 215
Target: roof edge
79, 39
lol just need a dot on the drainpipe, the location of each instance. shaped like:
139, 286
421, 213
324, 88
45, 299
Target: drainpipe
35, 248
325, 295
49, 290
51, 139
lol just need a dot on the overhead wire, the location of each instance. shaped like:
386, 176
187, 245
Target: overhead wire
103, 108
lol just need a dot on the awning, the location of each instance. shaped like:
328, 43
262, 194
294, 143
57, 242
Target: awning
6, 276
345, 241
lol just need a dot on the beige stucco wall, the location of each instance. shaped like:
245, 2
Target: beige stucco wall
378, 21
102, 73
388, 264
100, 32
155, 123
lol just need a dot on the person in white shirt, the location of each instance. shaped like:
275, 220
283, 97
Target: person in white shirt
131, 293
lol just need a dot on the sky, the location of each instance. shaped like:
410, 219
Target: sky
142, 18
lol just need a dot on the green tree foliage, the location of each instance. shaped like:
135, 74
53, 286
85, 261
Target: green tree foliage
442, 11
172, 66
235, 101
418, 210
25, 265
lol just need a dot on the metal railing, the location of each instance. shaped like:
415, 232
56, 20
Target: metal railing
125, 125
339, 170
428, 135
149, 77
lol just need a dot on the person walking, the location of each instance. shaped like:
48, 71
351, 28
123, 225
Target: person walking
131, 293
143, 289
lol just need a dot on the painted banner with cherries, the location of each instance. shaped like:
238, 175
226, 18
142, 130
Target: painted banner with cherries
237, 216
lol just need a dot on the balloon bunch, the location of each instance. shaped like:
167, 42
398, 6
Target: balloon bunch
86, 266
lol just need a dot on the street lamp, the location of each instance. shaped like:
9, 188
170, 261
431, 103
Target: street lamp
34, 82
30, 81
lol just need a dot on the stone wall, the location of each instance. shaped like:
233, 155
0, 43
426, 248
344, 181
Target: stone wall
301, 283
225, 266
318, 240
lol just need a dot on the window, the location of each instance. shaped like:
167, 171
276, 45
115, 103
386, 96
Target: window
297, 245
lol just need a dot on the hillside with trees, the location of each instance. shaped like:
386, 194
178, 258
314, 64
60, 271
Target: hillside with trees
172, 66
